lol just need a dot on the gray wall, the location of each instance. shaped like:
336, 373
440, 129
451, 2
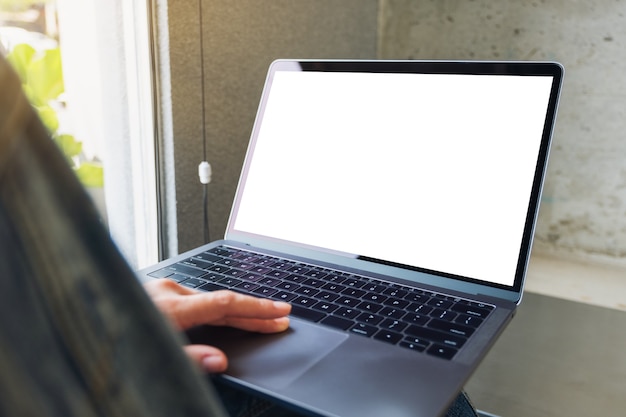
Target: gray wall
583, 211
241, 38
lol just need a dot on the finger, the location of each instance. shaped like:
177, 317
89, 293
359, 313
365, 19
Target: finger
218, 306
166, 287
256, 325
208, 358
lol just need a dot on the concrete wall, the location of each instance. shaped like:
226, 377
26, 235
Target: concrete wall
583, 211
241, 38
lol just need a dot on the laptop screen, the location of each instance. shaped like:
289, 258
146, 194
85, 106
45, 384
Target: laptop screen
431, 170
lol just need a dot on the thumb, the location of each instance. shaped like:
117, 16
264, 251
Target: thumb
209, 358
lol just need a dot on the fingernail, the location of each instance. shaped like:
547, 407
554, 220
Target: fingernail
213, 363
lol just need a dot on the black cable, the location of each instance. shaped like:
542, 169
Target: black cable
205, 199
202, 81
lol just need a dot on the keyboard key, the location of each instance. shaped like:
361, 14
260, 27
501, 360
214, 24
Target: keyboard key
193, 282
247, 286
418, 319
376, 298
348, 301
218, 268
226, 261
306, 314
212, 286
388, 336
287, 286
353, 292
299, 279
440, 351
283, 296
270, 282
277, 273
220, 250
372, 319
266, 262
471, 310
417, 341
249, 276
231, 282
334, 287
395, 292
304, 301
394, 325
327, 296
353, 282
243, 265
439, 303
369, 307
336, 278
315, 274
311, 282
419, 308
416, 297
181, 278
325, 307
281, 265
453, 328
346, 312
186, 270
235, 273
197, 263
480, 305
298, 269
265, 291
364, 329
260, 270
392, 312
467, 320
413, 346
396, 303
161, 273
207, 257
309, 292
337, 322
436, 336
445, 315
213, 276
374, 287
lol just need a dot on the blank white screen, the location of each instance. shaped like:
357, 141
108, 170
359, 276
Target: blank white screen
427, 170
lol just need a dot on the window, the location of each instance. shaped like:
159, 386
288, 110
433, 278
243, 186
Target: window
107, 103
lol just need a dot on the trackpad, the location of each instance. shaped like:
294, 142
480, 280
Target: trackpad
270, 360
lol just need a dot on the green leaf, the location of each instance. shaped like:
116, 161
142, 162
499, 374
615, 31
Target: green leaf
69, 145
45, 75
90, 174
20, 58
49, 117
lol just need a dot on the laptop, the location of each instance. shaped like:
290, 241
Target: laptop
393, 204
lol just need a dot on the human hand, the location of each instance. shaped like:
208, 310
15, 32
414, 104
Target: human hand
187, 308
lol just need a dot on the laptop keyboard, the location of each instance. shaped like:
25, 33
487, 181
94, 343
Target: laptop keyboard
415, 319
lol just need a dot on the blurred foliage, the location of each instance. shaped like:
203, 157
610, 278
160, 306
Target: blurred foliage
20, 5
42, 80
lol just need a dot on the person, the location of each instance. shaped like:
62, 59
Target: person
79, 335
